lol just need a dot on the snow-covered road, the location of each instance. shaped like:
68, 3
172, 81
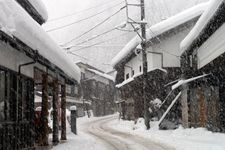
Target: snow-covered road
117, 140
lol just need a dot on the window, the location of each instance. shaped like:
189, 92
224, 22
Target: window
132, 73
127, 76
75, 89
140, 69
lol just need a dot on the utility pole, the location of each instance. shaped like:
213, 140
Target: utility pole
145, 66
142, 23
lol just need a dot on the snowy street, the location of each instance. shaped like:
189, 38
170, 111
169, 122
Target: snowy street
96, 134
109, 133
116, 140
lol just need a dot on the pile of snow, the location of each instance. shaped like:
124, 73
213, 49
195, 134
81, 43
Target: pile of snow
156, 102
160, 28
201, 24
102, 74
73, 108
179, 139
40, 7
15, 21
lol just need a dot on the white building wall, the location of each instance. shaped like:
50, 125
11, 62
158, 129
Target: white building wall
168, 46
212, 48
11, 58
134, 64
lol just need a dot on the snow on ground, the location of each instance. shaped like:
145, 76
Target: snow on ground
79, 142
181, 139
82, 141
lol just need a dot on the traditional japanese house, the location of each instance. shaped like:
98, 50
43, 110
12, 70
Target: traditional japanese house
203, 60
163, 40
28, 58
97, 90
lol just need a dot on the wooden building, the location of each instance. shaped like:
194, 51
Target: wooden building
97, 90
203, 54
29, 57
163, 40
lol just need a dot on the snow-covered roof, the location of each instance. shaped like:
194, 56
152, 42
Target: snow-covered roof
40, 7
102, 74
161, 28
15, 21
201, 24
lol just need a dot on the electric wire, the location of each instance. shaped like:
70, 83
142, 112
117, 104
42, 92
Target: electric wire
78, 12
78, 21
100, 23
96, 36
101, 42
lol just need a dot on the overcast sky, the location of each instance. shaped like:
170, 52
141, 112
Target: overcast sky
156, 11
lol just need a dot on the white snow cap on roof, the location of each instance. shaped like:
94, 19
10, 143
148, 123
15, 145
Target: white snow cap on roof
15, 21
102, 74
40, 7
160, 28
200, 25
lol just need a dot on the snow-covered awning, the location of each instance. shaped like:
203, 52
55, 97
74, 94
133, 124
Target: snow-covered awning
137, 75
15, 21
182, 82
201, 24
104, 75
161, 28
40, 7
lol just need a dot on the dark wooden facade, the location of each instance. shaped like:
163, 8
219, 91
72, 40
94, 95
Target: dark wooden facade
16, 111
101, 96
97, 90
205, 96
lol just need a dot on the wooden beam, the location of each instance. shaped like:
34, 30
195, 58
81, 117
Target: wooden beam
63, 112
44, 112
55, 112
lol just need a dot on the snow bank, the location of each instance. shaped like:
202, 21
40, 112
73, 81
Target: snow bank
180, 139
160, 28
40, 7
14, 20
102, 74
201, 24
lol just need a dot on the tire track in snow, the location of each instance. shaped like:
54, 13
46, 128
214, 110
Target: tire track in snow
116, 140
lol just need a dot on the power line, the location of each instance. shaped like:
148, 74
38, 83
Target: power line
95, 26
78, 12
89, 17
96, 36
85, 47
89, 59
